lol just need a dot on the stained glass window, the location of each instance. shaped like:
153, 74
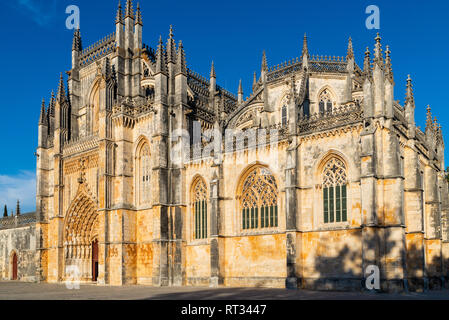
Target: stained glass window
259, 200
144, 174
200, 209
335, 191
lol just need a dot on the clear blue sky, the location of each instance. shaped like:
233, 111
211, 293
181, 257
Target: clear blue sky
36, 47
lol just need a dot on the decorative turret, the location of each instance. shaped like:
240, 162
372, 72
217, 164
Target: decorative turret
350, 68
51, 106
161, 66
429, 123
240, 93
388, 65
119, 17
138, 29
409, 96
254, 81
43, 118
119, 35
61, 90
18, 208
213, 80
305, 53
129, 25
138, 15
410, 107
378, 57
367, 63
350, 53
129, 13
264, 68
171, 47
76, 48
181, 60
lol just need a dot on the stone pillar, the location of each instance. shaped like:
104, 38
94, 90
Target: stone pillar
413, 208
393, 241
433, 263
368, 181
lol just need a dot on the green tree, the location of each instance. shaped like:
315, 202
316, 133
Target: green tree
5, 213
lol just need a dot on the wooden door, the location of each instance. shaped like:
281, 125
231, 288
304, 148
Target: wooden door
14, 266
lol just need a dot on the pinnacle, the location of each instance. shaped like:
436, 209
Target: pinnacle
138, 15
212, 71
129, 9
305, 47
119, 17
350, 49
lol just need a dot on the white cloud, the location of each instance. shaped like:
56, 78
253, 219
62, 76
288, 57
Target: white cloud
41, 12
18, 187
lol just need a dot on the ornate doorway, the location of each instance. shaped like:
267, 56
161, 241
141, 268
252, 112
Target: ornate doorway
81, 238
95, 260
14, 266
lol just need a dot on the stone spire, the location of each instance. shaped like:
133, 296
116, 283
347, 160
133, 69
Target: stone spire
429, 123
160, 58
181, 59
77, 44
129, 9
305, 53
367, 62
51, 106
350, 54
43, 118
388, 65
171, 47
18, 208
138, 15
254, 80
212, 71
240, 93
409, 97
119, 17
264, 62
61, 89
378, 57
305, 47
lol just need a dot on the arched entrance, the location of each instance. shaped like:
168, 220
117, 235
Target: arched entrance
80, 238
14, 266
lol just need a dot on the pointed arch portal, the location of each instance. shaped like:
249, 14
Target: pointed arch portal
81, 238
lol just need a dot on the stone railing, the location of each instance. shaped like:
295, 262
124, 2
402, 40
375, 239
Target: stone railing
18, 221
81, 144
340, 116
98, 50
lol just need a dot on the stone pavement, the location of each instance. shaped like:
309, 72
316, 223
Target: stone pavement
45, 291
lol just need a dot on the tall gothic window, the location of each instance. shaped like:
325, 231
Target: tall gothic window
144, 174
199, 206
259, 200
335, 191
325, 102
284, 115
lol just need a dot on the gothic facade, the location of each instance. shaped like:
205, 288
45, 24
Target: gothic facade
340, 177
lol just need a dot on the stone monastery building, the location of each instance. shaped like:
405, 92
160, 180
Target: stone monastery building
340, 177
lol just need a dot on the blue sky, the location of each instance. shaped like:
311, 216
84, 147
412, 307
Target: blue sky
36, 47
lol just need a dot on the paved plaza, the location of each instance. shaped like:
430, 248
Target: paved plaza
44, 291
